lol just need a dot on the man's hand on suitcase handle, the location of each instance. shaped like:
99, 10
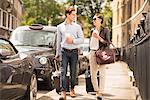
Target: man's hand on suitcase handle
57, 57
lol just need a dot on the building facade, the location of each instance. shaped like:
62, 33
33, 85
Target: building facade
10, 15
131, 33
126, 17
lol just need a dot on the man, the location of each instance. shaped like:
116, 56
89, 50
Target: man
69, 36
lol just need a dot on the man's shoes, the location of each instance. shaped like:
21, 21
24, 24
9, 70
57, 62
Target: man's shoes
72, 93
61, 98
63, 95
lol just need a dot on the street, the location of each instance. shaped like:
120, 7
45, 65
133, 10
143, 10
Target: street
118, 86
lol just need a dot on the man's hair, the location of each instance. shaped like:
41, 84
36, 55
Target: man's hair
69, 11
100, 17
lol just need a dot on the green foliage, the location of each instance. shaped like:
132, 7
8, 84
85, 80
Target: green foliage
28, 21
107, 12
57, 21
41, 11
40, 20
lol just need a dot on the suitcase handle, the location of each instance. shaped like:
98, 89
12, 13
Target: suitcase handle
56, 73
56, 66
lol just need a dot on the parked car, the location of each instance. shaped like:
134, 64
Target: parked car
37, 41
85, 48
17, 75
84, 56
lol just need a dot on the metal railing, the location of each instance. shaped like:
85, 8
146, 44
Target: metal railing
137, 55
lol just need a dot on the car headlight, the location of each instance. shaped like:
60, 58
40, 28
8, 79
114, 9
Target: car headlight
43, 60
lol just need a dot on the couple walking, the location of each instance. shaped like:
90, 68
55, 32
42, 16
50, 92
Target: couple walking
69, 37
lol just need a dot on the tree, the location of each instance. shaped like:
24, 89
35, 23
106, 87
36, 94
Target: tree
107, 12
41, 12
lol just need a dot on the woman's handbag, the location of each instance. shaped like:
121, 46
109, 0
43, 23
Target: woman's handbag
105, 56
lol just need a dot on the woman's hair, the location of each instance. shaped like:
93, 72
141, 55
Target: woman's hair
69, 11
100, 17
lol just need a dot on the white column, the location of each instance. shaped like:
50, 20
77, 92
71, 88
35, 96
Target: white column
7, 20
10, 24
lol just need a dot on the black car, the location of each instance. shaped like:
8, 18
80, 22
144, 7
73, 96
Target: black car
17, 76
37, 41
84, 56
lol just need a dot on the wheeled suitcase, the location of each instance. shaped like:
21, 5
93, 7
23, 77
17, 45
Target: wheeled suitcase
57, 84
56, 78
89, 86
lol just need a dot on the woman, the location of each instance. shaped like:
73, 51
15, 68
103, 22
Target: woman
98, 37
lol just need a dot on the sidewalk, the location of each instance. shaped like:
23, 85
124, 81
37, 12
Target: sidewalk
118, 86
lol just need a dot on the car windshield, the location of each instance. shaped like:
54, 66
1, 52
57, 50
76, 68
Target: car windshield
32, 37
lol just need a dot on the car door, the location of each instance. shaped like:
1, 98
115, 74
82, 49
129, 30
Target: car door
12, 70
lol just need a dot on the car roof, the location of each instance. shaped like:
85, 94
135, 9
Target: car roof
46, 28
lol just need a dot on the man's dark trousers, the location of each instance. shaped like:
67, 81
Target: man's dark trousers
68, 57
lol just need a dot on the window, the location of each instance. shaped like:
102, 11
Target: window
135, 6
13, 21
0, 17
10, 22
139, 4
129, 4
124, 11
4, 19
5, 45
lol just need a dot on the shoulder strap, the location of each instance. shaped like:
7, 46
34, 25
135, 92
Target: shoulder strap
104, 30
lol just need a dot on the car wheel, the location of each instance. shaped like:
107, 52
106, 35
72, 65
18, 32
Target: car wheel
32, 88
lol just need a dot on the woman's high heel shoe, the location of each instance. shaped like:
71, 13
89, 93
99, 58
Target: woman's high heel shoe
99, 98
